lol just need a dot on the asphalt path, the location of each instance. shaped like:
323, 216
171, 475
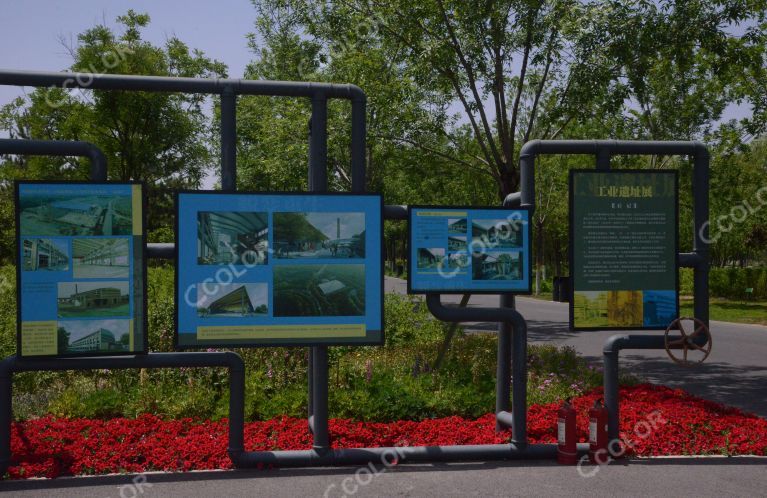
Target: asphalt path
700, 477
735, 373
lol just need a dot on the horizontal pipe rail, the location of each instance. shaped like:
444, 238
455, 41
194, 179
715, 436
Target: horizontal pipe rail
184, 85
61, 148
230, 360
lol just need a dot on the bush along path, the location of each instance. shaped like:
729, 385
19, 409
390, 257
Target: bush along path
682, 425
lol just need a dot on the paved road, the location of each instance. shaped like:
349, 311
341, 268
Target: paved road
735, 373
713, 477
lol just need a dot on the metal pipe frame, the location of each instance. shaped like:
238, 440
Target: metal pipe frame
98, 170
698, 259
232, 361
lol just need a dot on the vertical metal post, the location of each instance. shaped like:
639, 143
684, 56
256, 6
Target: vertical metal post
236, 410
700, 186
611, 392
6, 416
519, 387
603, 158
318, 182
358, 144
503, 365
228, 139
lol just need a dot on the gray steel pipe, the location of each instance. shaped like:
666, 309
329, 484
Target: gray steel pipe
98, 171
230, 360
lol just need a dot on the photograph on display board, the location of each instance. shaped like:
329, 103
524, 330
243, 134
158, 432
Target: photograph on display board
45, 255
319, 235
237, 238
496, 233
458, 260
93, 299
497, 266
319, 290
232, 300
94, 336
101, 258
456, 226
430, 258
74, 214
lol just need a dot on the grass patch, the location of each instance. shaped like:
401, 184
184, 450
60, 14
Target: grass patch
726, 310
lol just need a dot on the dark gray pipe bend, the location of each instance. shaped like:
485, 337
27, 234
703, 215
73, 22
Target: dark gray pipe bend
98, 171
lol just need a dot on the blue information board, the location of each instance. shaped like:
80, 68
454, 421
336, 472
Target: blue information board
469, 250
258, 269
81, 273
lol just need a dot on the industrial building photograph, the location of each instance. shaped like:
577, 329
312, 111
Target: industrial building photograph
456, 226
496, 233
93, 299
232, 300
232, 237
319, 290
456, 242
497, 266
100, 258
75, 215
93, 336
45, 255
430, 258
458, 260
319, 235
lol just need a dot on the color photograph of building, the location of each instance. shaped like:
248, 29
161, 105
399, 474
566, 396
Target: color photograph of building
458, 260
93, 336
625, 309
497, 266
93, 299
319, 290
319, 235
100, 258
456, 243
457, 226
75, 215
45, 255
430, 258
232, 300
496, 233
239, 238
659, 307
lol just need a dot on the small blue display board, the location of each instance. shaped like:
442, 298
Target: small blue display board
469, 250
81, 272
268, 269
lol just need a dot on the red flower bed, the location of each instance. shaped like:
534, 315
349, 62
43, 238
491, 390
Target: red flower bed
684, 424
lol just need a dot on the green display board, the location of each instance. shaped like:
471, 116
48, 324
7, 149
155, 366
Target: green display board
623, 250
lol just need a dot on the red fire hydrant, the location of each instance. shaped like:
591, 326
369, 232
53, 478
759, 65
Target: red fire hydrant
598, 433
567, 450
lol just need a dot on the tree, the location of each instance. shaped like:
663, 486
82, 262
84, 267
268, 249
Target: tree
161, 138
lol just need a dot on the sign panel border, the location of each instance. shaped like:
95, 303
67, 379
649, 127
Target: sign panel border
528, 259
571, 233
266, 343
143, 323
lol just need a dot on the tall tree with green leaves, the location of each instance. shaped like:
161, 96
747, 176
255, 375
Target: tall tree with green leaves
163, 139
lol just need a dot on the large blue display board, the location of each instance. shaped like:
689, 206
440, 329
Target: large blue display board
459, 249
81, 272
259, 269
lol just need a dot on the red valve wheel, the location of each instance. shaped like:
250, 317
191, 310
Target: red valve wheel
688, 342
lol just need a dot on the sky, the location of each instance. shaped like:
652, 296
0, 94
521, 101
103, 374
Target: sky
351, 223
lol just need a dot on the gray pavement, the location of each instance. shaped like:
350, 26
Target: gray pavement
735, 373
701, 477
